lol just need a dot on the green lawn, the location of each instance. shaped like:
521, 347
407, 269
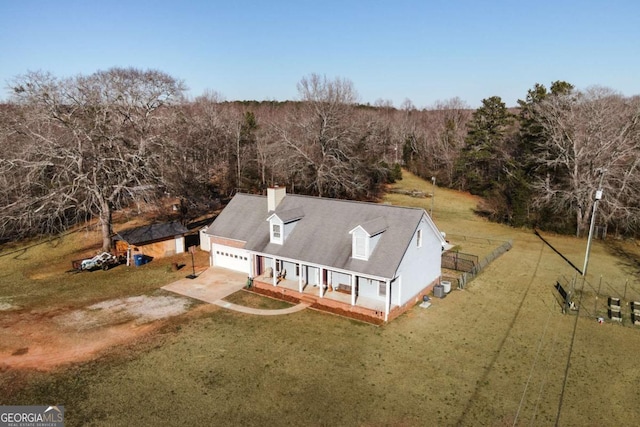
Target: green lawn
493, 354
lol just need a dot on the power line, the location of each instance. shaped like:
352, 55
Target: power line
546, 374
533, 365
49, 240
502, 342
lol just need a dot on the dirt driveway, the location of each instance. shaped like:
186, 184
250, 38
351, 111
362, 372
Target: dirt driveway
43, 340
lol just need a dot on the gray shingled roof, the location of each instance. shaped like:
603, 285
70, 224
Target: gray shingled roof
375, 226
322, 234
290, 215
240, 218
152, 232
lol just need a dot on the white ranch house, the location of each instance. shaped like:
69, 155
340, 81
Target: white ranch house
377, 256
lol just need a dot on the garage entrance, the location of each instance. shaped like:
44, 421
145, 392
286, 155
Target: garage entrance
232, 258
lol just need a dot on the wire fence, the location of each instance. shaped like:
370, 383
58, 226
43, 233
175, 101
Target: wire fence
467, 276
601, 300
459, 261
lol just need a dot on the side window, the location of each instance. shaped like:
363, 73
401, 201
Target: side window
382, 289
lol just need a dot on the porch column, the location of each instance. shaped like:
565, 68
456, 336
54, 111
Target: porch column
387, 299
320, 281
275, 273
354, 283
252, 272
300, 286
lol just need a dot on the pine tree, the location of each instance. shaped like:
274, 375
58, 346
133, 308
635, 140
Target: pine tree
480, 168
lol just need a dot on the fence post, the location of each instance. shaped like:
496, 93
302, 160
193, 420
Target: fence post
598, 296
625, 289
573, 291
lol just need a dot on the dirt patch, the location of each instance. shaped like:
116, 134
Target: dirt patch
5, 304
45, 340
139, 309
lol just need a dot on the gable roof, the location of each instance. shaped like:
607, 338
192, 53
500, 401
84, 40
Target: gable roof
373, 227
239, 219
152, 232
322, 236
288, 216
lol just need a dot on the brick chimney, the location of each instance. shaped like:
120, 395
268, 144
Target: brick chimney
275, 195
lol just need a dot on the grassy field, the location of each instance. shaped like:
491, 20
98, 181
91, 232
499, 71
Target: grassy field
250, 299
498, 353
38, 277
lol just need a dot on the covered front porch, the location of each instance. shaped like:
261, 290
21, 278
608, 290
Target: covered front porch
327, 289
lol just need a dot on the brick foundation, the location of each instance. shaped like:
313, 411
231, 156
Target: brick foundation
397, 311
336, 307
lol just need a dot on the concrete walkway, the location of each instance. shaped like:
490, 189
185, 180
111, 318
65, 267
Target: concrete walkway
259, 311
214, 284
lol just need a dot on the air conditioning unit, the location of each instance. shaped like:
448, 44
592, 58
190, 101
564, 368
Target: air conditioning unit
438, 291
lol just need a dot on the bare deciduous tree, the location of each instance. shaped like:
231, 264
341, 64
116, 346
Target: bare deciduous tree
320, 137
91, 142
586, 133
445, 128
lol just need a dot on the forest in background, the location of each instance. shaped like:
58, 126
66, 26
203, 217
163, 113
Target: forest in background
85, 146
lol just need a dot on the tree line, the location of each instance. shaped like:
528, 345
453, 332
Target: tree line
545, 163
83, 147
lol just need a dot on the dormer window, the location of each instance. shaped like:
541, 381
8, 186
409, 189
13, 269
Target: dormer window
275, 230
281, 224
360, 245
365, 237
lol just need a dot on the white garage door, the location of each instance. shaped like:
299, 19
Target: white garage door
231, 258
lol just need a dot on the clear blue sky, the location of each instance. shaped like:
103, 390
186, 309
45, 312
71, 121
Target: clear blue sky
422, 50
